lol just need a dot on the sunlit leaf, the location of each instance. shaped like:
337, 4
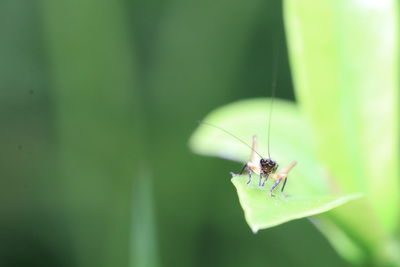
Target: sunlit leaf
290, 139
344, 58
309, 188
262, 211
346, 76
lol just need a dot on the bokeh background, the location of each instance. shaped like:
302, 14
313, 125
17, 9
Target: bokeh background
98, 99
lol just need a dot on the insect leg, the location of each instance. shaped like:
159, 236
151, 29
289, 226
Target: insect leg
241, 172
273, 187
244, 167
284, 183
259, 183
249, 181
266, 179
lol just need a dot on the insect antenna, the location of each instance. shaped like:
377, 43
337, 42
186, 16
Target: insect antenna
227, 132
274, 79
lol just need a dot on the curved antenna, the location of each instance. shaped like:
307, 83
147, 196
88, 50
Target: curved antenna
274, 79
225, 131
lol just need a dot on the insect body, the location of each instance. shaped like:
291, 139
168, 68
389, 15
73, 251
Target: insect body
264, 167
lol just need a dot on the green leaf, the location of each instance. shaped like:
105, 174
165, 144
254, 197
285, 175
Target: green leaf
344, 58
97, 120
247, 118
346, 76
144, 236
340, 240
311, 191
261, 211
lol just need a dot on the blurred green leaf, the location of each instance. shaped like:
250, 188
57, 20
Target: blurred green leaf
310, 189
97, 121
347, 247
144, 235
262, 211
345, 72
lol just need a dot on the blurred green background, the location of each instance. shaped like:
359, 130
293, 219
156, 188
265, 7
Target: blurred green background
98, 100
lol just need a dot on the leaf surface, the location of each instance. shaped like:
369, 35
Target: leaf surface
261, 211
310, 189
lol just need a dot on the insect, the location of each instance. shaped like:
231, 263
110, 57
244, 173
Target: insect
265, 168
